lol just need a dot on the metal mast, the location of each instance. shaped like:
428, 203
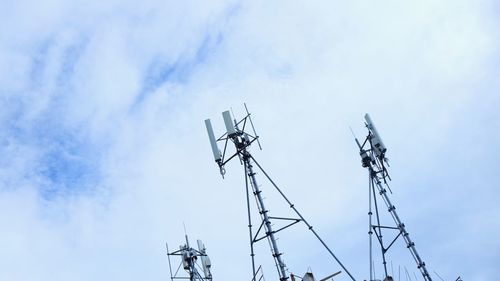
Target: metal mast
264, 213
242, 141
372, 153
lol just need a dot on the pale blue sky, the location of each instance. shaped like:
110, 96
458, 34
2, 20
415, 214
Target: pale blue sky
103, 144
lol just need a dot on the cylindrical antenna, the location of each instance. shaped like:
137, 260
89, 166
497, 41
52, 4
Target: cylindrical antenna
213, 142
355, 138
228, 121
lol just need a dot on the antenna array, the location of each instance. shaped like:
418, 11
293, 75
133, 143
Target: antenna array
237, 133
372, 153
189, 262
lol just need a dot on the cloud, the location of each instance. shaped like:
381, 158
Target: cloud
104, 151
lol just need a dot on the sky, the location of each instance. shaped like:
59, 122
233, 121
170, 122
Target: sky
105, 155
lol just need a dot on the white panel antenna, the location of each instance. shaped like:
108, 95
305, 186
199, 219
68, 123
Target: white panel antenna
213, 142
377, 143
228, 121
205, 260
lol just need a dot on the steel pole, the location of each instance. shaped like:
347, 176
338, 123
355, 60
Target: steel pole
406, 236
267, 223
370, 231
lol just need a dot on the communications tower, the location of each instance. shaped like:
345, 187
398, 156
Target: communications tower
239, 134
372, 152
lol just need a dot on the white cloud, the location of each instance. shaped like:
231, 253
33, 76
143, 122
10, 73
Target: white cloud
91, 81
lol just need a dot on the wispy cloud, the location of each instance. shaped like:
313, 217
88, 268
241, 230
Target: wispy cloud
180, 71
104, 153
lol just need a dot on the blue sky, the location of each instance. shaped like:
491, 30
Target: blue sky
103, 144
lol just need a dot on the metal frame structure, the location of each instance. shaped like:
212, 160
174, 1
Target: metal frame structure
237, 133
189, 257
372, 152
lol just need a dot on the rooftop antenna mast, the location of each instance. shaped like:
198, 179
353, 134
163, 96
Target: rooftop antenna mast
189, 262
237, 132
372, 152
